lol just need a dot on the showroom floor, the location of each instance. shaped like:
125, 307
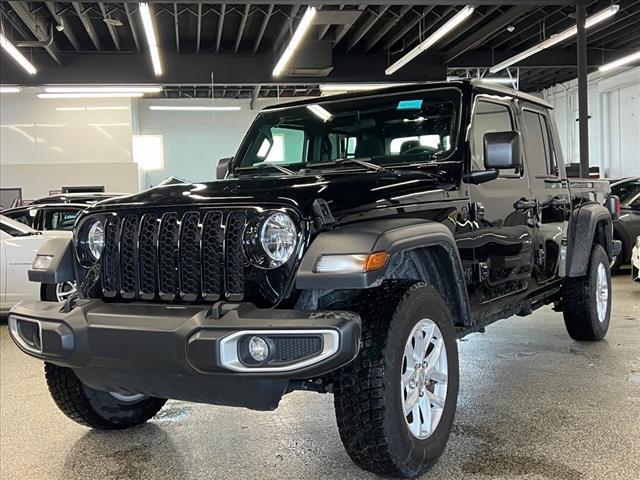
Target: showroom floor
533, 404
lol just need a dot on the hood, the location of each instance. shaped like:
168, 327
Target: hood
343, 190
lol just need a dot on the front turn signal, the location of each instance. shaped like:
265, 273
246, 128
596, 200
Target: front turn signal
376, 261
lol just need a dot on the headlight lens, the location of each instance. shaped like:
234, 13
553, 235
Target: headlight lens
95, 239
278, 237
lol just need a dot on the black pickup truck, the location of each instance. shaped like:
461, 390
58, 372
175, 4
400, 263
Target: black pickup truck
352, 240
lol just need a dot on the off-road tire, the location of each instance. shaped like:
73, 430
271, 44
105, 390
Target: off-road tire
367, 393
579, 301
94, 408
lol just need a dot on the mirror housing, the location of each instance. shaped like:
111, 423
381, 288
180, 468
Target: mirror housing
222, 169
502, 150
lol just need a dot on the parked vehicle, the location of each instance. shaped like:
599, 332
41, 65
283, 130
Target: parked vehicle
57, 212
635, 261
627, 226
354, 239
18, 247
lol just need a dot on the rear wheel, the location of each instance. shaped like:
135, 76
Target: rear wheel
586, 300
95, 408
396, 402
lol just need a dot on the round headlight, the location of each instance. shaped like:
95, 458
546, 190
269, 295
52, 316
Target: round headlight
278, 237
95, 239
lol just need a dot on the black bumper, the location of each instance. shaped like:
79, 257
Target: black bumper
186, 352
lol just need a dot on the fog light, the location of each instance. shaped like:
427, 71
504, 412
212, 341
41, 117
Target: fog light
258, 349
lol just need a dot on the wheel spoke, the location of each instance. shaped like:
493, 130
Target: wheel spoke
412, 400
425, 408
418, 347
437, 376
436, 401
434, 356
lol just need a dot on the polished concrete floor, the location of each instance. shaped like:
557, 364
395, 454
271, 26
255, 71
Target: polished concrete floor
533, 405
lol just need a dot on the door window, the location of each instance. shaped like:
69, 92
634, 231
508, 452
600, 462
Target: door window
59, 219
488, 117
541, 158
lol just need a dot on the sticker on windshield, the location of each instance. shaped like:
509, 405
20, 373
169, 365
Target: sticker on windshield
409, 105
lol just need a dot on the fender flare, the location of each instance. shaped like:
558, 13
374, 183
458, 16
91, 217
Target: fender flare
582, 235
61, 268
400, 237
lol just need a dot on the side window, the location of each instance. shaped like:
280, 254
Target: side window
59, 219
488, 117
25, 216
541, 157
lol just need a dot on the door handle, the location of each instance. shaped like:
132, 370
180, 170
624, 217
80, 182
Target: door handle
525, 204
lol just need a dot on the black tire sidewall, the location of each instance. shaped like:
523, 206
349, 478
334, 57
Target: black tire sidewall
423, 302
598, 256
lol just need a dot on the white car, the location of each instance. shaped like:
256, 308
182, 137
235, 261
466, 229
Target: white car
635, 261
19, 244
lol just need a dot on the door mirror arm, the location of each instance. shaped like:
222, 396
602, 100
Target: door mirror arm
480, 176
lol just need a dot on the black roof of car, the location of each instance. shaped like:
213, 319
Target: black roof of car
475, 84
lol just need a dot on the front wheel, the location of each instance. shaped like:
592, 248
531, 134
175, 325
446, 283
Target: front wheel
396, 402
95, 408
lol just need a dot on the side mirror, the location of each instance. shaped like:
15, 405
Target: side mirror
502, 150
222, 169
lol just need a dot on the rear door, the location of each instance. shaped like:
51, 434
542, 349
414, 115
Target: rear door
549, 188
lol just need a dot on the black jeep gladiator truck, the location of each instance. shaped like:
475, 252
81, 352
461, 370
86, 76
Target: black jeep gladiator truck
352, 240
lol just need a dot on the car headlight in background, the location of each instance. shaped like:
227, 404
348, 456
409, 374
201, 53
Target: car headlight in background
271, 239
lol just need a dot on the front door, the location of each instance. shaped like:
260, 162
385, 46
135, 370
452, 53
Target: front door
501, 214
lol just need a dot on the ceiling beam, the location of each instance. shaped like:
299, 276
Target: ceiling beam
88, 26
263, 28
223, 11
407, 28
366, 26
476, 39
134, 34
176, 26
67, 28
111, 28
381, 32
199, 28
286, 28
243, 24
37, 27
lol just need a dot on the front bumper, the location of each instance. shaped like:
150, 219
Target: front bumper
189, 353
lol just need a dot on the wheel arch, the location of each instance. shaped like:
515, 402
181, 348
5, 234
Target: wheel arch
420, 251
593, 223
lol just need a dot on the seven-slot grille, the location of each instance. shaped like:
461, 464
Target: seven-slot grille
190, 256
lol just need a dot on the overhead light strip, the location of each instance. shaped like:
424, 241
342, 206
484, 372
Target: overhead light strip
295, 41
6, 89
147, 22
557, 38
17, 55
436, 36
92, 95
194, 108
104, 89
634, 57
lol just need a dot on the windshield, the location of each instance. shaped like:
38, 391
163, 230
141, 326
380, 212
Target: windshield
398, 129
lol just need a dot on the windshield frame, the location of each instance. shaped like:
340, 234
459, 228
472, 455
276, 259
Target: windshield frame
457, 135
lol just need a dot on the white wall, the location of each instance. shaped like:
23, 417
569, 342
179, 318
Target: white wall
614, 123
193, 141
49, 143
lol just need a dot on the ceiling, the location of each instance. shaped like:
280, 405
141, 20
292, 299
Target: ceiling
229, 49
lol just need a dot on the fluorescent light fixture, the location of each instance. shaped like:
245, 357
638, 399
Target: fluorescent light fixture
10, 89
498, 80
91, 109
17, 56
148, 152
557, 38
105, 89
91, 95
355, 87
633, 57
147, 22
320, 112
436, 36
194, 108
294, 43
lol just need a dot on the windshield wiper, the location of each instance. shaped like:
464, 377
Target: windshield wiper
363, 162
280, 168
